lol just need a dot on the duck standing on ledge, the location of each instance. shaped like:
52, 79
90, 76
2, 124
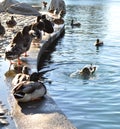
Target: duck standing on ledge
59, 19
37, 27
98, 43
48, 25
75, 24
2, 30
19, 45
11, 23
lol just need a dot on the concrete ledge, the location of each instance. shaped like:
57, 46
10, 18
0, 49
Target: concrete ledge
43, 114
48, 43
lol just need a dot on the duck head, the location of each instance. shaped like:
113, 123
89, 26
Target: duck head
85, 71
25, 70
34, 77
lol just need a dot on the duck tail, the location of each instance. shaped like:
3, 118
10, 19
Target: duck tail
18, 96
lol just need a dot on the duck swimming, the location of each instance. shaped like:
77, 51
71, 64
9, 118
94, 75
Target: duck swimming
98, 43
29, 90
75, 24
19, 45
87, 71
11, 23
2, 30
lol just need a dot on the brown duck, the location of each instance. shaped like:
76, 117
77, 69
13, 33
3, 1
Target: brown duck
2, 30
29, 90
23, 76
11, 23
19, 45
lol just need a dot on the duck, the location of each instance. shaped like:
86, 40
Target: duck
19, 45
98, 43
26, 91
87, 71
23, 76
59, 19
39, 24
11, 23
37, 39
2, 29
75, 24
35, 76
48, 25
37, 29
44, 4
56, 11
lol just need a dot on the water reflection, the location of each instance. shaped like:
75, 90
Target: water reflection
93, 21
88, 103
44, 57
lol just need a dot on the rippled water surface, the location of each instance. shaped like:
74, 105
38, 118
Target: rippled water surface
92, 103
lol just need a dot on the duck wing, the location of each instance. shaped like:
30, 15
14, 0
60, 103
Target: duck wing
2, 30
11, 23
19, 78
40, 25
27, 87
12, 52
48, 26
17, 38
24, 87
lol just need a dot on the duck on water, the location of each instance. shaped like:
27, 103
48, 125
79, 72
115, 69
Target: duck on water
75, 24
86, 72
98, 43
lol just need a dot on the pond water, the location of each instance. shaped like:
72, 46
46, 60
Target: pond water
93, 103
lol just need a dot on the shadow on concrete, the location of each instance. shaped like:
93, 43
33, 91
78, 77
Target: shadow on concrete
44, 105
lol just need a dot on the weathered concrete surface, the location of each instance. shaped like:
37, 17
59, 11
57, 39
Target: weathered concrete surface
15, 7
43, 114
7, 3
22, 8
57, 4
